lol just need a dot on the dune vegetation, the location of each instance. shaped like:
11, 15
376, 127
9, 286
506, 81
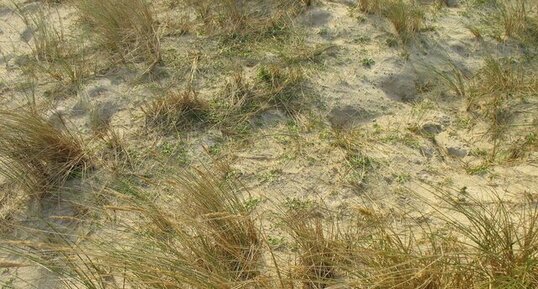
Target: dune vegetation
269, 144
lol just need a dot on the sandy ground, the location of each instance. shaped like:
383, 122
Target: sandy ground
376, 99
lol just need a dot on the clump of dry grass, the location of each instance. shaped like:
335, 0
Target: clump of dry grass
319, 246
37, 155
273, 87
452, 77
238, 101
47, 42
366, 249
497, 92
500, 96
406, 16
54, 53
196, 233
413, 257
370, 6
502, 238
177, 110
125, 28
511, 19
513, 15
238, 21
226, 225
282, 87
524, 145
519, 19
240, 92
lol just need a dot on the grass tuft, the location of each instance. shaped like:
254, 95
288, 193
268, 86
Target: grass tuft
406, 16
54, 53
176, 111
125, 28
37, 155
318, 245
504, 237
497, 93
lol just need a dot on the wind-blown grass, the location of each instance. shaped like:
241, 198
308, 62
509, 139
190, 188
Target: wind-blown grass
125, 28
35, 154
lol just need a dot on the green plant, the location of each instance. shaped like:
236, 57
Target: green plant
367, 62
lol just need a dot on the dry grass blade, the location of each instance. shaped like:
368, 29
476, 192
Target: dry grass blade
48, 40
281, 87
519, 19
414, 258
210, 242
206, 238
242, 99
237, 21
36, 154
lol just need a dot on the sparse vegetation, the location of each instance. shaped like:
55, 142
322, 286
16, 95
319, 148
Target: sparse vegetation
405, 17
237, 21
510, 19
504, 236
268, 144
54, 53
213, 242
273, 87
497, 92
318, 248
